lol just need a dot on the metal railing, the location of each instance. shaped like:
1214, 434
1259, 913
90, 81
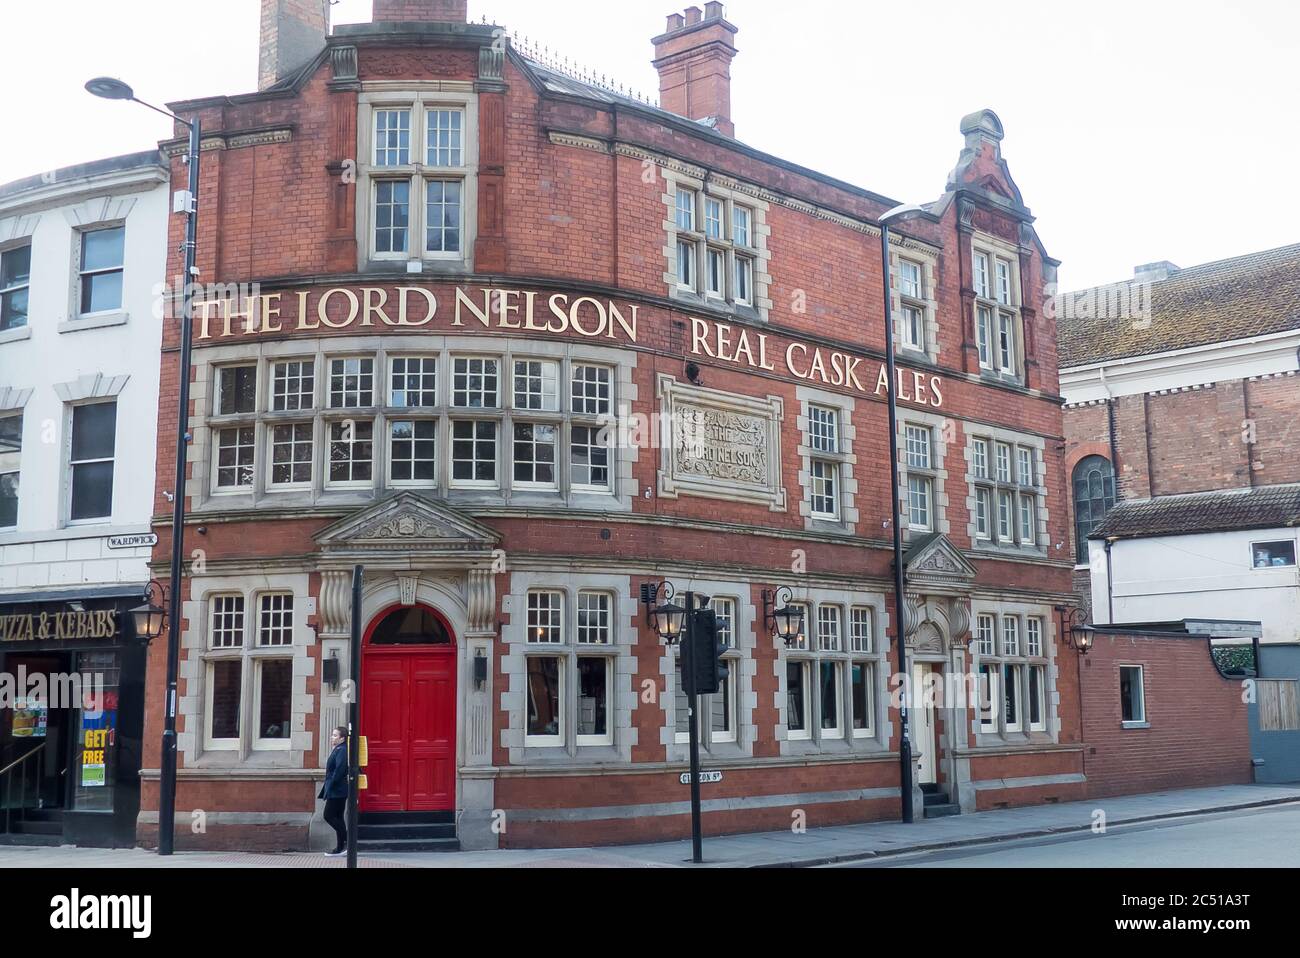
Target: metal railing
17, 771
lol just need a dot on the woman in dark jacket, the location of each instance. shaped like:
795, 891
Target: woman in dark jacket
335, 789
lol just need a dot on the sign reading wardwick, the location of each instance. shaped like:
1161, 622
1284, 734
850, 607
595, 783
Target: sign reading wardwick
58, 626
133, 542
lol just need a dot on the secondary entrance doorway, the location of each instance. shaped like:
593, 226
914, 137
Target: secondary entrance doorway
408, 712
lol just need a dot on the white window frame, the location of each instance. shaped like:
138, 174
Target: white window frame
69, 465
271, 464
218, 433
278, 364
420, 100
499, 426
558, 739
426, 366
376, 441
1266, 543
17, 287
360, 391
11, 462
391, 461
535, 463
1141, 720
82, 272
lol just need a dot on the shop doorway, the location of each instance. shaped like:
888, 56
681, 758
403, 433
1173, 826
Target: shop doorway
35, 739
408, 712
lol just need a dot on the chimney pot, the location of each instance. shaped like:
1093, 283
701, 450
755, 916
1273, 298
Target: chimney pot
292, 33
420, 11
693, 15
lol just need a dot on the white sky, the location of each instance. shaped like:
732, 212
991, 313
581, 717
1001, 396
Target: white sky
1138, 130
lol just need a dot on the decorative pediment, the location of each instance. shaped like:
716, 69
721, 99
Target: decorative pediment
408, 522
934, 561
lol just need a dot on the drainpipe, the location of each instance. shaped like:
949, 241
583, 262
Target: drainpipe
1110, 428
1110, 585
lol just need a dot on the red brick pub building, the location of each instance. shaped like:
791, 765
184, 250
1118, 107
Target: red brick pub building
520, 344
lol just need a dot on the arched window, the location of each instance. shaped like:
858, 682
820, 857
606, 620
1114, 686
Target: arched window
413, 626
1094, 497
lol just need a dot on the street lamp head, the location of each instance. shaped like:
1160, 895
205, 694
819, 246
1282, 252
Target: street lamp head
667, 621
906, 211
789, 623
110, 89
148, 618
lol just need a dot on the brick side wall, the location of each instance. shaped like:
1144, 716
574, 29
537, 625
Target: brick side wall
1198, 733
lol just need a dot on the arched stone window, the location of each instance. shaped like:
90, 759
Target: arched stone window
1094, 497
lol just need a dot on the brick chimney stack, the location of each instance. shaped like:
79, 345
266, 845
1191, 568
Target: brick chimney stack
293, 31
694, 63
421, 11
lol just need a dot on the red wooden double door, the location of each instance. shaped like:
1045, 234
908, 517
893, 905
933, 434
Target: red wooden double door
408, 716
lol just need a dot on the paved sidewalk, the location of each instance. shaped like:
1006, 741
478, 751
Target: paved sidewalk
818, 846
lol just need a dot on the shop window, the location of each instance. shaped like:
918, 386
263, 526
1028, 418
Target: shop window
570, 684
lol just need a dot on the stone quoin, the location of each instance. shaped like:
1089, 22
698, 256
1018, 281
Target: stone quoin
465, 263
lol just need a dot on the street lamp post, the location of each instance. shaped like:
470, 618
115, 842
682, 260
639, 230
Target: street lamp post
111, 89
905, 744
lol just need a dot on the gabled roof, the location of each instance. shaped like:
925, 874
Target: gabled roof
1252, 295
1269, 507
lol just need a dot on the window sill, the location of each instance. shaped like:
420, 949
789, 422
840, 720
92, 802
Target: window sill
402, 267
99, 321
16, 335
1134, 725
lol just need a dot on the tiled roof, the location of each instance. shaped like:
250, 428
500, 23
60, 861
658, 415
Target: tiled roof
1269, 507
1219, 302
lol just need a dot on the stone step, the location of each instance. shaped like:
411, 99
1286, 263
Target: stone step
406, 818
942, 811
411, 845
406, 830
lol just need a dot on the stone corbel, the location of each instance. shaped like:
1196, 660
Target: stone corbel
343, 60
335, 606
912, 608
491, 70
481, 602
959, 621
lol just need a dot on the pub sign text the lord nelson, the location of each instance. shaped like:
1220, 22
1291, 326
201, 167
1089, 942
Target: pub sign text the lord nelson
234, 313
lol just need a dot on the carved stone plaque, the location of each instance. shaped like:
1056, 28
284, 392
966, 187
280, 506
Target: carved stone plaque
719, 445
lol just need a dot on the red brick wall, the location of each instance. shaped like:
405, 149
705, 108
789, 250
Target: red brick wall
1198, 734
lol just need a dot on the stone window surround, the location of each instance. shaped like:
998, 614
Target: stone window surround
925, 257
704, 183
13, 402
938, 456
1038, 445
1051, 697
845, 406
996, 248
882, 727
622, 694
194, 671
405, 94
15, 233
201, 487
744, 667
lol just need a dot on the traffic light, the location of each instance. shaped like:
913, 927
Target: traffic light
704, 649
